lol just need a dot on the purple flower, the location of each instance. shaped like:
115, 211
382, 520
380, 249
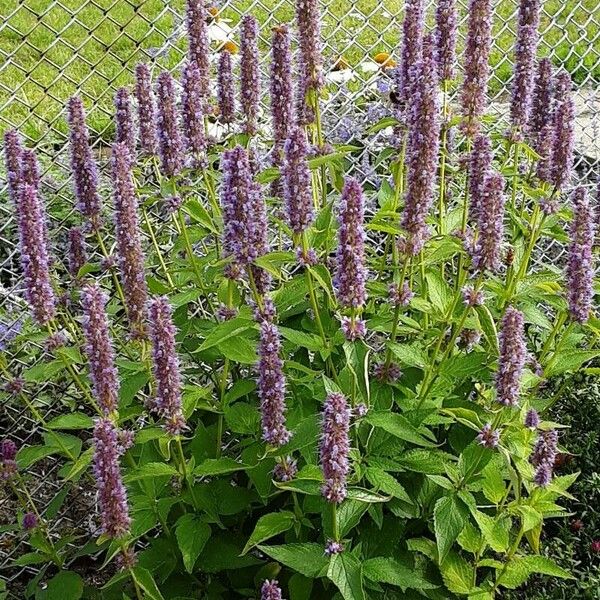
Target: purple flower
285, 469
15, 386
76, 255
400, 295
83, 165
387, 373
199, 45
307, 258
541, 108
165, 363
8, 464
146, 109
112, 495
30, 169
580, 264
513, 355
490, 224
543, 456
35, 260
422, 150
468, 339
474, 90
126, 559
271, 386
471, 296
125, 131
480, 163
129, 244
561, 156
445, 38
489, 437
360, 410
350, 273
192, 110
332, 547
543, 147
335, 446
353, 328
226, 313
99, 349
310, 61
170, 147
54, 341
281, 90
30, 521
249, 73
532, 419
412, 42
297, 187
266, 312
12, 161
225, 90
270, 590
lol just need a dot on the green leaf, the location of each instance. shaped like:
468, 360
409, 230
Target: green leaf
218, 466
495, 531
409, 355
82, 462
224, 331
242, 418
448, 521
43, 371
269, 526
192, 535
308, 558
240, 350
431, 462
346, 572
66, 585
300, 338
146, 581
29, 455
310, 487
520, 568
439, 292
397, 425
569, 360
75, 420
362, 495
387, 570
488, 327
152, 469
387, 483
457, 574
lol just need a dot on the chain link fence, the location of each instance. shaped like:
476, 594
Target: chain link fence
50, 50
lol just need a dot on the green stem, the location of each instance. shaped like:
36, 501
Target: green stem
334, 522
184, 470
113, 274
157, 249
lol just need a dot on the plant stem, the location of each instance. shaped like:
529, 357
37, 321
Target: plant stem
334, 522
184, 470
157, 247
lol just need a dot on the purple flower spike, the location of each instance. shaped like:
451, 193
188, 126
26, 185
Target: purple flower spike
166, 366
543, 147
12, 161
310, 65
532, 419
129, 243
350, 274
30, 521
285, 469
281, 90
445, 38
480, 163
333, 547
513, 355
477, 69
335, 446
561, 156
580, 266
99, 349
30, 169
271, 386
192, 112
543, 457
541, 109
170, 147
225, 90
146, 109
249, 73
83, 165
489, 437
199, 48
125, 131
270, 590
112, 495
490, 224
297, 186
472, 297
387, 373
8, 463
35, 261
353, 328
422, 150
77, 255
400, 295
412, 43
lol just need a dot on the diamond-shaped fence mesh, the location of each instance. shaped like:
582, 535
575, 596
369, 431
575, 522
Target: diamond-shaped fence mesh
50, 50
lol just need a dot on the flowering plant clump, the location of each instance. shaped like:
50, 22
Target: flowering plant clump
279, 378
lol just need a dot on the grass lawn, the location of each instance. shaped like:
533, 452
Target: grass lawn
40, 68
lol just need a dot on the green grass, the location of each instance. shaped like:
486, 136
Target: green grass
40, 69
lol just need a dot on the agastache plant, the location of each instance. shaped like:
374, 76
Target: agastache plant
445, 38
541, 104
199, 45
281, 90
124, 125
170, 146
513, 355
12, 162
77, 253
192, 111
412, 44
249, 73
225, 89
146, 109
480, 162
561, 156
83, 165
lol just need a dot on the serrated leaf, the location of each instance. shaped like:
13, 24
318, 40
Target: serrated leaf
301, 338
448, 521
387, 483
495, 531
398, 425
346, 573
152, 469
146, 582
75, 420
224, 331
218, 466
457, 574
308, 558
65, 585
409, 355
520, 568
192, 535
387, 570
569, 360
269, 526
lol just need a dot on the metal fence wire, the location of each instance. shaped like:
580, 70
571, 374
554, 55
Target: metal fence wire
51, 49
